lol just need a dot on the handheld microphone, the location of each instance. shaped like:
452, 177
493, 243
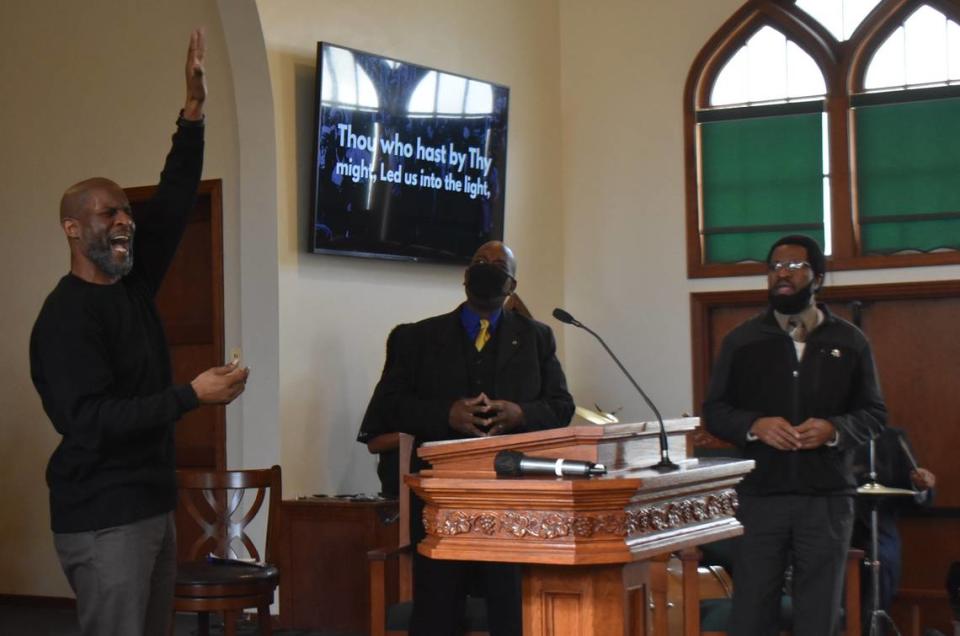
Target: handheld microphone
508, 463
664, 465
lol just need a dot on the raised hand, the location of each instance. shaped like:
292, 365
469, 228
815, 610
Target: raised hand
196, 76
221, 385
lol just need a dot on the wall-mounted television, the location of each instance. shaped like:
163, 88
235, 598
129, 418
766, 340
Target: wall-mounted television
410, 161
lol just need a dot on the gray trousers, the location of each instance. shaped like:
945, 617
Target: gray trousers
812, 533
123, 576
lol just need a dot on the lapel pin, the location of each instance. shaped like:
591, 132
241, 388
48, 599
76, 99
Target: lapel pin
835, 353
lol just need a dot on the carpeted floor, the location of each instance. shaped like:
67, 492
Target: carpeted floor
18, 620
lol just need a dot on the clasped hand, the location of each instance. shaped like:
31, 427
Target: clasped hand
779, 433
482, 417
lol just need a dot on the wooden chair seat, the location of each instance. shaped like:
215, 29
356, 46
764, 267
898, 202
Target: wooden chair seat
196, 576
215, 501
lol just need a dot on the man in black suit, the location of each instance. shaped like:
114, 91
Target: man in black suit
477, 371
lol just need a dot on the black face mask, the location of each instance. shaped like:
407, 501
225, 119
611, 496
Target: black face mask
792, 303
486, 283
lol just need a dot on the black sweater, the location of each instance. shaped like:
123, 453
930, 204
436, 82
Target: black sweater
757, 374
99, 360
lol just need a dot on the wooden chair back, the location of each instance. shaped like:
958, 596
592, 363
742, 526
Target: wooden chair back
223, 504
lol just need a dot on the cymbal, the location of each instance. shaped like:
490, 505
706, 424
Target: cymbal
875, 489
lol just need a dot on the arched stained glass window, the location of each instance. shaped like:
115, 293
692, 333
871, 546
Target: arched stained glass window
923, 51
833, 118
907, 127
768, 68
840, 17
764, 169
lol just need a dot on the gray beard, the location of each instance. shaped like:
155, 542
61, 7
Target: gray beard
100, 254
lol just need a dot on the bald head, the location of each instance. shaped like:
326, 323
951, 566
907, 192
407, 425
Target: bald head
496, 253
76, 200
96, 218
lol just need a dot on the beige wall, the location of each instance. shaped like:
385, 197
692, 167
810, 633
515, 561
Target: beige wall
335, 312
88, 89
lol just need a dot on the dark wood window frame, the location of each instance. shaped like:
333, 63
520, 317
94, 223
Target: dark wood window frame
844, 66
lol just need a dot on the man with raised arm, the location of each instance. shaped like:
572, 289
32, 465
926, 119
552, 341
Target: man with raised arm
477, 371
796, 389
99, 360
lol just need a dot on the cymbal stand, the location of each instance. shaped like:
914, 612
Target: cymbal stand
877, 615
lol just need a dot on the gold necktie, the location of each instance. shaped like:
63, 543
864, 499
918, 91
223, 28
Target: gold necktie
483, 335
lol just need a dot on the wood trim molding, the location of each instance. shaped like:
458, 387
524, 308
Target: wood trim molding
554, 524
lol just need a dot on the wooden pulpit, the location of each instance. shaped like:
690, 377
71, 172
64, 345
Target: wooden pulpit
594, 549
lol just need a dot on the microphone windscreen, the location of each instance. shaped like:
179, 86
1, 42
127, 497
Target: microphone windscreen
563, 316
507, 463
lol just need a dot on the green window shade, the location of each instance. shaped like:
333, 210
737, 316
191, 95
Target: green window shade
908, 175
762, 177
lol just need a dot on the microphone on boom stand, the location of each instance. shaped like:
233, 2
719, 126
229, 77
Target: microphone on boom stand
664, 465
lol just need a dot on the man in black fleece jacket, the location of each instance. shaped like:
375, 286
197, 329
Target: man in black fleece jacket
99, 361
796, 389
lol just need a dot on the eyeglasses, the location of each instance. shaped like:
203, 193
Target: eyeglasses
790, 266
